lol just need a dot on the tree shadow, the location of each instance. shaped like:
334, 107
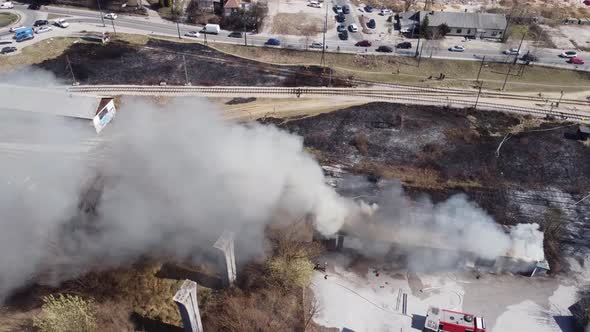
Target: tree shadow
151, 325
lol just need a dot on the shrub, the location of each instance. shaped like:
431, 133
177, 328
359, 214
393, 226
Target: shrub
66, 313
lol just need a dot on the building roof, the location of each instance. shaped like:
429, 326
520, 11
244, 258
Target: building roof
481, 21
232, 4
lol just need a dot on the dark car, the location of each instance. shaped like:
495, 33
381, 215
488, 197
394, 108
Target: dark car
341, 27
368, 9
343, 35
371, 24
340, 18
273, 42
8, 49
235, 34
404, 45
384, 49
39, 23
528, 57
34, 6
346, 9
363, 43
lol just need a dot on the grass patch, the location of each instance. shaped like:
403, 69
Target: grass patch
36, 53
51, 16
7, 19
516, 32
390, 69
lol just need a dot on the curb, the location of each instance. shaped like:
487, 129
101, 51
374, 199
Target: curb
14, 23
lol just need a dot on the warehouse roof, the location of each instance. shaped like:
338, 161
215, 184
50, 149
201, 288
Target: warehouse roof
481, 21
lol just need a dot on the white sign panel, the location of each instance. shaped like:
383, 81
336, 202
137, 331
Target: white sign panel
104, 116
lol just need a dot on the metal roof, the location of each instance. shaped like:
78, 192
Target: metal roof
481, 21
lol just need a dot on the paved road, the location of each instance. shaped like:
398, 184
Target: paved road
431, 49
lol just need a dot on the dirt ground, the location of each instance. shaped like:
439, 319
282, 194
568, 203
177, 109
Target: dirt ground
537, 172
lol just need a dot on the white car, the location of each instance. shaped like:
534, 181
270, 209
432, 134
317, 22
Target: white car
111, 16
512, 51
18, 27
316, 45
338, 9
60, 22
457, 48
353, 28
6, 5
43, 29
315, 4
193, 34
385, 11
569, 54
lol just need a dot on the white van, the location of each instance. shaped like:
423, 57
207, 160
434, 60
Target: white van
315, 4
213, 29
6, 5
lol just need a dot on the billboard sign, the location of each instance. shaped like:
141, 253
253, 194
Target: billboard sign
104, 116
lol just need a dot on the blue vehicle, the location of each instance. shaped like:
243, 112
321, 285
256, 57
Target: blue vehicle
273, 42
368, 9
24, 34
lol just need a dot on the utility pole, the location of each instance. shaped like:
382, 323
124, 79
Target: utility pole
113, 23
71, 70
418, 46
506, 79
244, 24
480, 67
205, 35
101, 14
420, 54
507, 24
185, 70
519, 46
323, 58
478, 93
560, 97
178, 28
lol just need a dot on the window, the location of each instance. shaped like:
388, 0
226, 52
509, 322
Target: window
494, 33
468, 31
459, 30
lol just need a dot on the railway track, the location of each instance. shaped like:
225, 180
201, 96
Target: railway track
396, 93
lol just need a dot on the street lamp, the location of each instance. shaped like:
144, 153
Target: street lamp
101, 14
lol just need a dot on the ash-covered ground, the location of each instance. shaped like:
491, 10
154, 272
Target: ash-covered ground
536, 178
159, 61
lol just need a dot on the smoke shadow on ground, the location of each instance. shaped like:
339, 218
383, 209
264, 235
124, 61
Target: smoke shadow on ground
418, 322
173, 271
150, 325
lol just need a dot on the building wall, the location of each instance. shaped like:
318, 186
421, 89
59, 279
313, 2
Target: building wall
472, 32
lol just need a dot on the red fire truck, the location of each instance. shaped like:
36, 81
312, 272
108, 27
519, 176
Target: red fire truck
442, 320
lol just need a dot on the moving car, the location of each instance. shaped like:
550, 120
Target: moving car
343, 35
316, 45
512, 51
576, 61
384, 49
315, 4
529, 57
457, 48
235, 34
39, 23
273, 42
213, 29
341, 27
371, 24
404, 45
569, 54
62, 23
17, 28
8, 49
346, 9
110, 16
363, 43
43, 29
340, 18
368, 9
6, 5
338, 9
24, 34
353, 28
34, 6
193, 34
385, 11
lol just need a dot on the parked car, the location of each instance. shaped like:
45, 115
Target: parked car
315, 4
576, 61
6, 5
385, 11
18, 27
340, 18
457, 48
353, 28
273, 42
404, 45
34, 6
40, 23
529, 57
343, 35
368, 9
193, 34
371, 24
346, 9
363, 43
338, 9
62, 23
235, 34
316, 45
384, 49
8, 49
569, 54
341, 27
512, 51
43, 29
110, 16
5, 42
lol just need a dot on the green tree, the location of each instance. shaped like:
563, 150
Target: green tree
424, 26
443, 29
66, 313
